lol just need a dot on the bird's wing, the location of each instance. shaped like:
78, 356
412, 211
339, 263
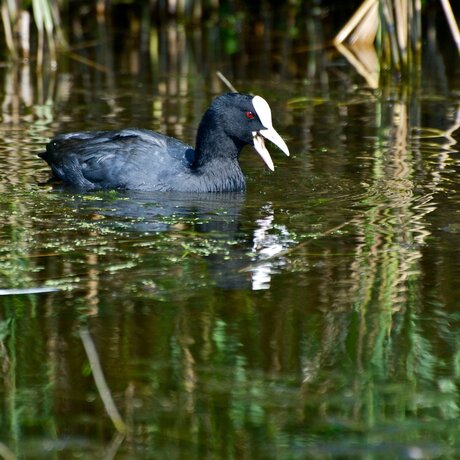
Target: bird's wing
107, 159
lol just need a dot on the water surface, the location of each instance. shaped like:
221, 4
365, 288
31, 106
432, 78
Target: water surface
314, 316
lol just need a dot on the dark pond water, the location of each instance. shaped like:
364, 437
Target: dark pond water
315, 316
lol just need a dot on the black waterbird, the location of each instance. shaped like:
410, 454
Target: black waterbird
139, 159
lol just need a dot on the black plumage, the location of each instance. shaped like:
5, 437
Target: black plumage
140, 159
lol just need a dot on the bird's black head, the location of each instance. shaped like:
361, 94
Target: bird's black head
242, 118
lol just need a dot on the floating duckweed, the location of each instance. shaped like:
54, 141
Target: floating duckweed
119, 267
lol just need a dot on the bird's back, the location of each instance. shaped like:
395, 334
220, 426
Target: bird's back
129, 158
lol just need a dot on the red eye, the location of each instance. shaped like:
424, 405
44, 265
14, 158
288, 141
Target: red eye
249, 115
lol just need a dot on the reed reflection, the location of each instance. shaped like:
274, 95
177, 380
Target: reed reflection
383, 338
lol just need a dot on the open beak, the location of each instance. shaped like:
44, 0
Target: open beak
259, 144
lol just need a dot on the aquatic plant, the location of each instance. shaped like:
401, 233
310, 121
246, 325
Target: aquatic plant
395, 29
16, 19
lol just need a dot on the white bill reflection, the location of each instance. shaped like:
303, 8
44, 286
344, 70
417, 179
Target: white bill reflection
269, 241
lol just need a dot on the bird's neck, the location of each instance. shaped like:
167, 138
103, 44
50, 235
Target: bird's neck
212, 142
216, 157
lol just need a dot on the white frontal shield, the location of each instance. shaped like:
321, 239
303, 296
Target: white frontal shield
265, 116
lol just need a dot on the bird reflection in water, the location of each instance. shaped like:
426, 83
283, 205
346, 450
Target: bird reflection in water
267, 246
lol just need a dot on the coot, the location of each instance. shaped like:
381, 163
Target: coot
139, 159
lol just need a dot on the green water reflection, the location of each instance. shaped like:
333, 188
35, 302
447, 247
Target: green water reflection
315, 316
